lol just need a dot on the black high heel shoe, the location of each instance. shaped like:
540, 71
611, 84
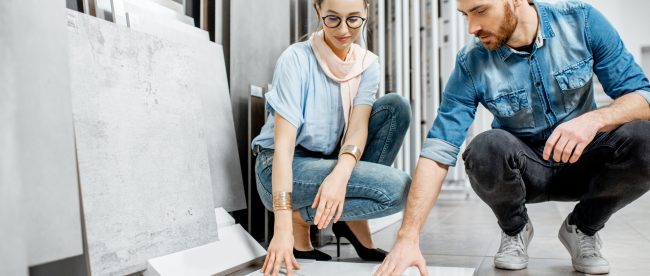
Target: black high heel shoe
314, 254
341, 230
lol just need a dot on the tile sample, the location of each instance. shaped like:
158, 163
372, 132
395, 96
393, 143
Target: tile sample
143, 159
318, 268
235, 247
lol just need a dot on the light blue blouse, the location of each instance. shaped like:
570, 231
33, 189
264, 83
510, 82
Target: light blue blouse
306, 97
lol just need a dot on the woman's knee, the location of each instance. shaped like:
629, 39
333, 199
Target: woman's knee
396, 188
264, 189
399, 107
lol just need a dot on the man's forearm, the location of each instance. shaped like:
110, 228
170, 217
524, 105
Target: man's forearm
423, 194
625, 109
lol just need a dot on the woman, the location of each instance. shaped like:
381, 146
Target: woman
325, 150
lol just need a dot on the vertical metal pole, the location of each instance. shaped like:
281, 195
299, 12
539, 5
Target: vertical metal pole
381, 45
399, 73
406, 76
416, 122
435, 59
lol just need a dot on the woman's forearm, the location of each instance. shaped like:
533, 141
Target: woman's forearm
357, 136
281, 175
281, 179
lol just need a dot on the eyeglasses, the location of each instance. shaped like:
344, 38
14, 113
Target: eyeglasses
333, 21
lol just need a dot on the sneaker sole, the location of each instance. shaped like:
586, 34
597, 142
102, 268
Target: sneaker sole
583, 269
591, 269
510, 266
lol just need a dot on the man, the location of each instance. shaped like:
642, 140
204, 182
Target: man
532, 67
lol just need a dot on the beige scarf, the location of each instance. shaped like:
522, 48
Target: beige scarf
347, 73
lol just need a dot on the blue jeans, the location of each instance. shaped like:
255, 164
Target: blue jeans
374, 190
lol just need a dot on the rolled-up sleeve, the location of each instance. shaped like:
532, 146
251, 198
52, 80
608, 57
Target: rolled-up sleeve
286, 97
455, 115
368, 86
613, 64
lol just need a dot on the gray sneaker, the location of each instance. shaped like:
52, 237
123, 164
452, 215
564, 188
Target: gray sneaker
584, 249
513, 252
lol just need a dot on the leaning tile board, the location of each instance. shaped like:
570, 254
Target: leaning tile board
13, 256
48, 206
225, 168
140, 132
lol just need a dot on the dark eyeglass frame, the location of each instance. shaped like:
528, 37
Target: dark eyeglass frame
363, 21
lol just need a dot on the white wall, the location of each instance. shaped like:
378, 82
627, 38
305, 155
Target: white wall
630, 18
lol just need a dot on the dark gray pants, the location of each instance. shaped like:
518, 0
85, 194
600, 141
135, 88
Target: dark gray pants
613, 171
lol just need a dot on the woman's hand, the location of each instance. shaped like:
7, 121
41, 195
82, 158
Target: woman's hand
330, 198
280, 251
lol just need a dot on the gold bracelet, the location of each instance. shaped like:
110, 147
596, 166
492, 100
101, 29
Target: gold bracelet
352, 150
282, 201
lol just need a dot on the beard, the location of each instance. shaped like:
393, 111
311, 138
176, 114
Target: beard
505, 31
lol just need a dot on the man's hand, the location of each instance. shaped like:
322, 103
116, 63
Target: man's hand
405, 253
569, 140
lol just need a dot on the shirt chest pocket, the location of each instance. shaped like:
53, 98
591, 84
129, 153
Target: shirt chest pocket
575, 82
512, 109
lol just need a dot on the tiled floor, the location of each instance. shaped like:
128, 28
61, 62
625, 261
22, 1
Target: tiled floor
464, 233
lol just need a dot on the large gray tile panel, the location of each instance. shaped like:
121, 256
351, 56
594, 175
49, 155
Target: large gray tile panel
141, 140
536, 267
13, 256
259, 33
48, 162
225, 168
44, 141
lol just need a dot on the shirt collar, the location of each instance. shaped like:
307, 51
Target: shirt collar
545, 31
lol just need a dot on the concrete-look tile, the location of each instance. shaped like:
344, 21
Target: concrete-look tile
459, 233
540, 247
565, 208
629, 266
548, 248
633, 249
621, 230
536, 267
142, 155
453, 261
464, 247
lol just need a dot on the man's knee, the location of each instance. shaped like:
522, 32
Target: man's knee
634, 140
490, 146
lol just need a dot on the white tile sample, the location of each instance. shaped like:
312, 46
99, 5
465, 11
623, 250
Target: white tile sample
379, 224
235, 247
145, 19
318, 268
143, 157
223, 218
160, 11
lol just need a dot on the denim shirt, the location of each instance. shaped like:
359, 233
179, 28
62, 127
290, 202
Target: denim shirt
311, 101
530, 94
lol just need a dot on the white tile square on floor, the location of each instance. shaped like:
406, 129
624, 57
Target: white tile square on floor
316, 268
